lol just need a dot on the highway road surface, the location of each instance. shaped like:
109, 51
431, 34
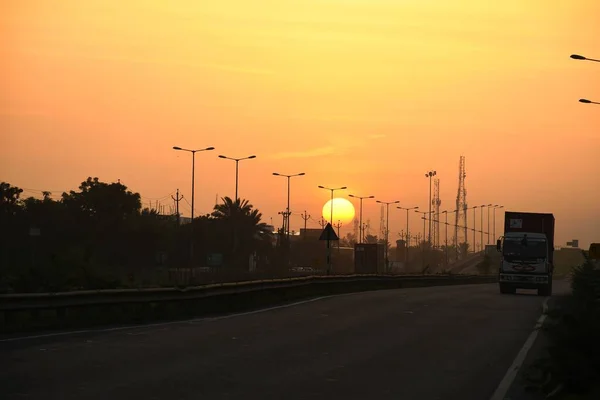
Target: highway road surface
453, 342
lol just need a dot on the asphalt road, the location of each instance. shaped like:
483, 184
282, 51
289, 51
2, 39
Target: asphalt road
452, 342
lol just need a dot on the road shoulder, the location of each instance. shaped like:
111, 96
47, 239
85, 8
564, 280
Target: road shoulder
529, 380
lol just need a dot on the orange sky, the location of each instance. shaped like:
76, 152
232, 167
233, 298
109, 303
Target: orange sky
369, 94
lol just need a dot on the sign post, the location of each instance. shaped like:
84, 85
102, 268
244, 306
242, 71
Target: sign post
328, 234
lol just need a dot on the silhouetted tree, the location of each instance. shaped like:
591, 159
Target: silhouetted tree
463, 249
103, 201
243, 222
372, 239
348, 241
96, 236
9, 194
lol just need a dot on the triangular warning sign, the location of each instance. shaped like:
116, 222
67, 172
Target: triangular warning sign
328, 233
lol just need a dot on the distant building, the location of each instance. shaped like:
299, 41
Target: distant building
573, 243
310, 233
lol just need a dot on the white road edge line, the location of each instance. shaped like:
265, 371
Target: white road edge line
511, 374
186, 321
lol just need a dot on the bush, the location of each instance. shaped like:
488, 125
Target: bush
484, 267
574, 330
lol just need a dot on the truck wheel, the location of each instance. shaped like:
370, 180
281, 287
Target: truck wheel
507, 289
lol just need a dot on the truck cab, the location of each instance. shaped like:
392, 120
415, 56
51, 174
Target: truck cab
527, 254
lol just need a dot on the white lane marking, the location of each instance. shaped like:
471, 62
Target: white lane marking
511, 374
188, 321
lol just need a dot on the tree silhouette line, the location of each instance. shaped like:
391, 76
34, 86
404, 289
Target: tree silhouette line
91, 237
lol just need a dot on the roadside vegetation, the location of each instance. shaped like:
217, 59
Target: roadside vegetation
100, 237
571, 368
484, 267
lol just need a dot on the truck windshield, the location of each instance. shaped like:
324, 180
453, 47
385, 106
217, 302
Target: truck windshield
515, 248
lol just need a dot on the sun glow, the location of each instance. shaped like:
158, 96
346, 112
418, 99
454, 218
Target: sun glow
343, 211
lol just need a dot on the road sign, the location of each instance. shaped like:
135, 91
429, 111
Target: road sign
594, 252
328, 233
214, 260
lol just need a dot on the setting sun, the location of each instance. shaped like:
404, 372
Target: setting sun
343, 211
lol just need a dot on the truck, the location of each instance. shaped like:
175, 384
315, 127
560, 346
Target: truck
527, 252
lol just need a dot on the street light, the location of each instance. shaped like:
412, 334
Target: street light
495, 207
488, 232
387, 227
361, 230
474, 228
481, 231
237, 161
193, 170
287, 222
332, 190
430, 175
488, 219
578, 57
586, 101
407, 232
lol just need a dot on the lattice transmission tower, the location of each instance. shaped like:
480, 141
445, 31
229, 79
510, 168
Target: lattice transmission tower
436, 202
460, 230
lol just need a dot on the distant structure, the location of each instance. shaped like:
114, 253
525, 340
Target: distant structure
382, 222
573, 243
177, 199
460, 230
436, 202
356, 226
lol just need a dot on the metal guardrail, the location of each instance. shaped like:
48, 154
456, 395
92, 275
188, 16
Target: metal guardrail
41, 301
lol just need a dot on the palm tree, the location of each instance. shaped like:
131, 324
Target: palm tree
244, 223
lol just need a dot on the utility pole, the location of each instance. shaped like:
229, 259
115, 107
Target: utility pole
282, 231
474, 229
338, 226
177, 199
482, 244
305, 217
488, 219
446, 239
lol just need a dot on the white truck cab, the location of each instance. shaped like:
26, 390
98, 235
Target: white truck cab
526, 262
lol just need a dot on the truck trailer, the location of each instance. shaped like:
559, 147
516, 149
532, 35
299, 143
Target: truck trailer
527, 250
